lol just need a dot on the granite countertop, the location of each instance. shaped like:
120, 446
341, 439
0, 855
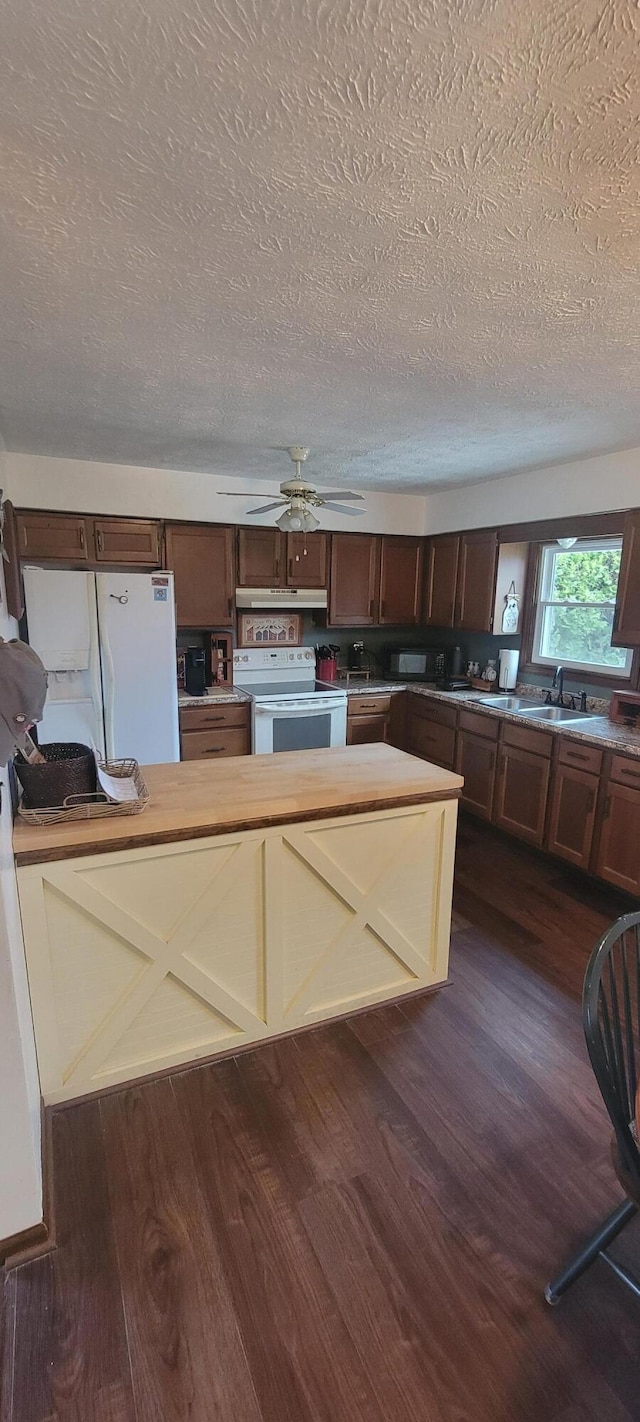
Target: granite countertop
598, 730
222, 695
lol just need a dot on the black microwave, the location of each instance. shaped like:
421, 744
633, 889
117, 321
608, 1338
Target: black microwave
414, 663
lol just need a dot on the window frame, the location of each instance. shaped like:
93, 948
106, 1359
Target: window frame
612, 677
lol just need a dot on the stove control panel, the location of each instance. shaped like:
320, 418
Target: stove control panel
273, 658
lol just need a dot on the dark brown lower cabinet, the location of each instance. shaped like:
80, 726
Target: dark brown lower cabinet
617, 856
521, 793
364, 730
572, 815
476, 761
431, 731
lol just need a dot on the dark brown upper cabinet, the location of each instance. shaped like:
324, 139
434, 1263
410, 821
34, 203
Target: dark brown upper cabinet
260, 557
440, 580
306, 560
626, 622
127, 540
400, 580
353, 580
201, 557
63, 537
477, 571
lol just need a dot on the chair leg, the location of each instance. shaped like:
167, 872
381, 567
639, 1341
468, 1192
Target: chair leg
590, 1251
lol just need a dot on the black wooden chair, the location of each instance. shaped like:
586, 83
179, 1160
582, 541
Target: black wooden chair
611, 1020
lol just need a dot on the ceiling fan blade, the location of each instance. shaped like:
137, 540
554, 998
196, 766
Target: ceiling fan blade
339, 508
241, 494
266, 508
339, 495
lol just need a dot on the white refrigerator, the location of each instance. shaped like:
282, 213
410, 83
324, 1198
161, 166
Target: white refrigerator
108, 641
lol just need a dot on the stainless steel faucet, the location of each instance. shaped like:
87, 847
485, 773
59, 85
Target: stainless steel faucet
556, 685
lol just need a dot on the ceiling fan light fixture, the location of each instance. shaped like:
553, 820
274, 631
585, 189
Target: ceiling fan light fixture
310, 523
291, 521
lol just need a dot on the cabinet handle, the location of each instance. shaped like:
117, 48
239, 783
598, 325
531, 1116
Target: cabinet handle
277, 570
371, 604
575, 755
291, 567
25, 539
213, 720
99, 540
81, 535
607, 808
591, 802
230, 606
214, 750
492, 761
633, 774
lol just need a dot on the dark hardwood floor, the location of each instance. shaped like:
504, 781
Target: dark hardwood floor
354, 1225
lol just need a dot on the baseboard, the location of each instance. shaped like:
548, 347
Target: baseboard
39, 1238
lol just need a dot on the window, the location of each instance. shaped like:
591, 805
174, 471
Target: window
576, 603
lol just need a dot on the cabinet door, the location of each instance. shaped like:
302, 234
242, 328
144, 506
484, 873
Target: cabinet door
400, 580
353, 580
201, 559
477, 581
59, 536
431, 741
441, 573
127, 540
521, 793
572, 814
626, 621
363, 730
617, 857
260, 558
306, 560
476, 761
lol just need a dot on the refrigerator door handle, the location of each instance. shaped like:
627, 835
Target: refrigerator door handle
109, 681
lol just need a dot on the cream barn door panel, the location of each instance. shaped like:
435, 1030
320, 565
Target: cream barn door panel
146, 959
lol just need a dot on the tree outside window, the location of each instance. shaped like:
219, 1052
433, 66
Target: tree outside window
576, 605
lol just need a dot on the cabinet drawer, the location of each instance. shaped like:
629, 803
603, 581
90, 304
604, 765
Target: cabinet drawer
479, 725
437, 711
364, 730
582, 757
432, 742
625, 771
368, 705
206, 745
204, 718
525, 739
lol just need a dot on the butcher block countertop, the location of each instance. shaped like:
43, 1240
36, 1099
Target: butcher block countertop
190, 800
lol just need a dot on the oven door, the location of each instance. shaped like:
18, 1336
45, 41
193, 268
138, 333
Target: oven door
304, 724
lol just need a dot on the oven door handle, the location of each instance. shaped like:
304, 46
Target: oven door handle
311, 709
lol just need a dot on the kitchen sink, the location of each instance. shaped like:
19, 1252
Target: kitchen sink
555, 713
505, 703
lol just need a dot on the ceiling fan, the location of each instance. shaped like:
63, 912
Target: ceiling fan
298, 499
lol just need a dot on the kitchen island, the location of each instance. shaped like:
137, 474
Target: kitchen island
251, 898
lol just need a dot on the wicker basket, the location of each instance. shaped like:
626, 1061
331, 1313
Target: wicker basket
70, 769
95, 806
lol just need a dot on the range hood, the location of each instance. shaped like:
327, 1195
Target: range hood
281, 597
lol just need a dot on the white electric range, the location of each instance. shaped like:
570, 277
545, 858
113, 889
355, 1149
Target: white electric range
290, 710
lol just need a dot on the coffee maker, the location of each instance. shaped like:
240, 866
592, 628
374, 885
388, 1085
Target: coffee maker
195, 676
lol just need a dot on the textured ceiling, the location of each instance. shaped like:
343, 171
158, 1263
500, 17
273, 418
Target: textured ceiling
404, 232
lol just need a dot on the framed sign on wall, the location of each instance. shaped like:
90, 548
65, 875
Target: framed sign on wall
269, 629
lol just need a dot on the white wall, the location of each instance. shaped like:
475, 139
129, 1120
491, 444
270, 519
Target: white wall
20, 1167
608, 481
37, 481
